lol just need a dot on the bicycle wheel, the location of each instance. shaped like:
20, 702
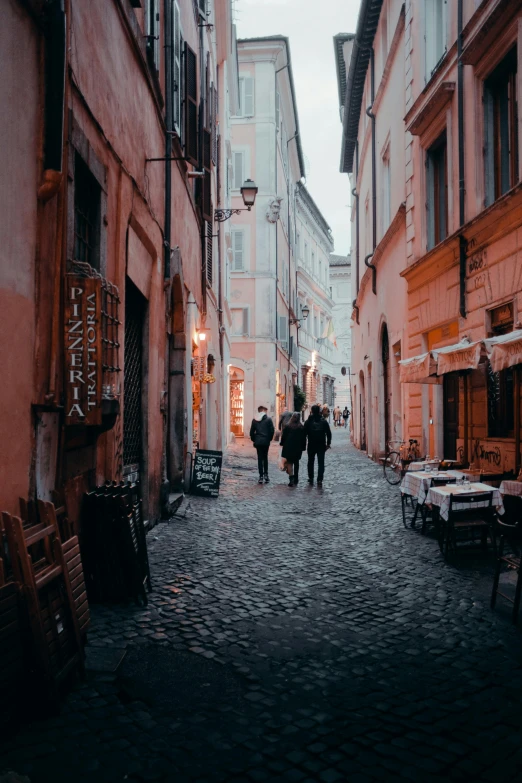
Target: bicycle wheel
392, 467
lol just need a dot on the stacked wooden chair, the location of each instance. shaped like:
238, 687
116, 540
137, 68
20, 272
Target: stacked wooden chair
50, 580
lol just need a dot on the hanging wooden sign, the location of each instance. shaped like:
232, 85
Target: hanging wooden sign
83, 350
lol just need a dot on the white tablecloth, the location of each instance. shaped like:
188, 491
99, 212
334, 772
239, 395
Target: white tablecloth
419, 465
440, 496
511, 488
417, 483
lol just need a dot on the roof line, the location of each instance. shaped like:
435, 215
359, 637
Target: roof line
302, 189
339, 40
286, 42
367, 23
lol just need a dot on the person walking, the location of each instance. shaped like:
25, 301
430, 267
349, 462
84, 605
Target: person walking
346, 416
293, 441
319, 439
261, 434
337, 416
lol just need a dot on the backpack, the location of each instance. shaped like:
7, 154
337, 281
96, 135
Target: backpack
316, 429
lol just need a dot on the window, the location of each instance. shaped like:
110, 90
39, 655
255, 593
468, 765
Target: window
437, 192
283, 331
176, 68
298, 244
306, 256
152, 28
500, 385
87, 198
240, 325
386, 191
238, 250
190, 107
246, 97
501, 128
238, 169
435, 34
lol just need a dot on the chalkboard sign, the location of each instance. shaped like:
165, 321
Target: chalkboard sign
206, 473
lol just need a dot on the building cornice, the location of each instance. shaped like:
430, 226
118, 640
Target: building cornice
498, 220
485, 26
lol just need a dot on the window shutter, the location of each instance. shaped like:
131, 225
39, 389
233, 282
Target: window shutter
213, 120
152, 32
238, 251
489, 147
206, 182
283, 330
248, 106
245, 322
238, 170
176, 68
191, 105
210, 248
203, 7
430, 206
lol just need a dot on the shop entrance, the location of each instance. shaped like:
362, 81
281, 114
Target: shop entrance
451, 414
237, 402
387, 385
135, 305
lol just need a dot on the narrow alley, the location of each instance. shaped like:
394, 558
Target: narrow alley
297, 635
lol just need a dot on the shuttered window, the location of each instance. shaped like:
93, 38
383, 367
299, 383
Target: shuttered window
283, 331
238, 167
437, 192
176, 68
240, 325
210, 247
191, 105
436, 33
214, 122
152, 27
246, 96
501, 129
238, 250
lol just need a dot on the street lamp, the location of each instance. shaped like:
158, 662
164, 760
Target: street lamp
305, 312
248, 192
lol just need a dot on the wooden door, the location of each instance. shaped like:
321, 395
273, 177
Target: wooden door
451, 414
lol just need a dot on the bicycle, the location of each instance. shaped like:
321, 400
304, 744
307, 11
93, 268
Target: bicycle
394, 466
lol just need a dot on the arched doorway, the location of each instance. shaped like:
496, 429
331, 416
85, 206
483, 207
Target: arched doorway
362, 413
237, 402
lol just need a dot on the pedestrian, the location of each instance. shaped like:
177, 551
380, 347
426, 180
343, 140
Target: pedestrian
346, 416
293, 441
319, 439
337, 416
326, 412
261, 435
284, 419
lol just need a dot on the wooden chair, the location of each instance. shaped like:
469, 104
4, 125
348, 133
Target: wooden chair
477, 516
432, 515
510, 534
38, 564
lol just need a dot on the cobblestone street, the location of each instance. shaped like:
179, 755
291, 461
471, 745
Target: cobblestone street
298, 635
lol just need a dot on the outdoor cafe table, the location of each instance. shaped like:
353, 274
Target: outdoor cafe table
418, 483
440, 496
511, 488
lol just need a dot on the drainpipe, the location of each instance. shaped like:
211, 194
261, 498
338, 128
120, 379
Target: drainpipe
290, 252
355, 194
372, 117
460, 117
168, 138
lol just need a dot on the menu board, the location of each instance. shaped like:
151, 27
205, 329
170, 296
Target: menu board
206, 473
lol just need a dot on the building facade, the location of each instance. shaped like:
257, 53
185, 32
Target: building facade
461, 174
370, 71
268, 337
340, 293
315, 336
109, 258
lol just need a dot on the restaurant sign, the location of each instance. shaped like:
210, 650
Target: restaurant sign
83, 350
457, 357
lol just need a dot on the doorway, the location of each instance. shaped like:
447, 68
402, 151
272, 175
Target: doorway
237, 403
387, 385
135, 305
451, 414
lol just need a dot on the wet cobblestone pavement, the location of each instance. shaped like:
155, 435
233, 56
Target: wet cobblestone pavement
295, 635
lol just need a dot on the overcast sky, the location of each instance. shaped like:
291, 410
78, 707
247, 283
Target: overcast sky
310, 26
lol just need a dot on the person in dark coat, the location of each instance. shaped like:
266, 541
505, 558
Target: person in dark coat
261, 434
319, 438
293, 441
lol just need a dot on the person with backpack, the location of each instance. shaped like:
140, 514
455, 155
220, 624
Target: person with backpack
319, 439
346, 414
284, 419
293, 441
261, 434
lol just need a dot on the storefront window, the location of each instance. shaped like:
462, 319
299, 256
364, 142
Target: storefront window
501, 407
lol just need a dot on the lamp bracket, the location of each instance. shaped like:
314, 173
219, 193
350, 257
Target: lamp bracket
224, 214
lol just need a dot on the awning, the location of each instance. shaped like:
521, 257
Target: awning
419, 369
461, 356
504, 351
